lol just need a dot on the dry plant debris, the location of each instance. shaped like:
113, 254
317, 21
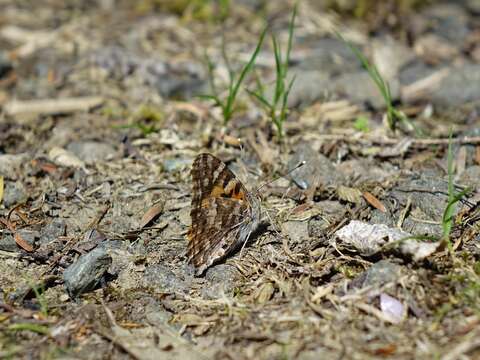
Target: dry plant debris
370, 250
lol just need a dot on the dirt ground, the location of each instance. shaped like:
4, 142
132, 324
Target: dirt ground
370, 249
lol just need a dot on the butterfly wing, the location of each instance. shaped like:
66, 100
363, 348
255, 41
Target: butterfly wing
217, 232
219, 214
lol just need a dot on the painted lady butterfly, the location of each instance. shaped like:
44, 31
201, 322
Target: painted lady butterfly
224, 213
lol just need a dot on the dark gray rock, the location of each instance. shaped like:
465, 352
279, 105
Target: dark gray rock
92, 151
179, 79
30, 236
430, 194
308, 87
7, 242
14, 193
52, 231
448, 20
318, 169
377, 275
86, 273
416, 70
360, 88
329, 55
460, 86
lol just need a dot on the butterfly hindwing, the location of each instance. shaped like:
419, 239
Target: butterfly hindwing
222, 214
215, 235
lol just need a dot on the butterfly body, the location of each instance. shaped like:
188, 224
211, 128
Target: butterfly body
224, 213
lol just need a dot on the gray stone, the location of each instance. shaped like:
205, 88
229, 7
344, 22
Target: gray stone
29, 236
221, 281
10, 165
448, 20
460, 86
471, 177
318, 169
416, 70
164, 280
176, 164
377, 275
331, 56
14, 193
92, 151
427, 193
308, 87
7, 241
52, 231
86, 273
360, 88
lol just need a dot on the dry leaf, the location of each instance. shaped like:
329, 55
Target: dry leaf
63, 157
349, 194
22, 243
264, 293
1, 188
321, 292
151, 214
372, 200
232, 141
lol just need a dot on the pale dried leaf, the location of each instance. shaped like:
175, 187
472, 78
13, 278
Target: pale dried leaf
151, 214
1, 188
264, 293
63, 157
369, 239
372, 200
22, 243
349, 194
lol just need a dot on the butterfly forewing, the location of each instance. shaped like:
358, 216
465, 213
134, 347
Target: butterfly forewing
222, 214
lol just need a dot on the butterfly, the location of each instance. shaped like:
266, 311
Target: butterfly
224, 213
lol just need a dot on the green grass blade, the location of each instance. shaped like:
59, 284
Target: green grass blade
39, 329
453, 198
261, 99
285, 98
290, 37
249, 65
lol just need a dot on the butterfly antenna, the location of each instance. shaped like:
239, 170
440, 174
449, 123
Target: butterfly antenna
300, 164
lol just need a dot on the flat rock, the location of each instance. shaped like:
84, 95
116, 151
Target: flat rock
92, 151
308, 87
328, 54
163, 279
10, 165
7, 242
14, 193
377, 275
86, 273
52, 231
318, 169
471, 177
460, 86
360, 88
